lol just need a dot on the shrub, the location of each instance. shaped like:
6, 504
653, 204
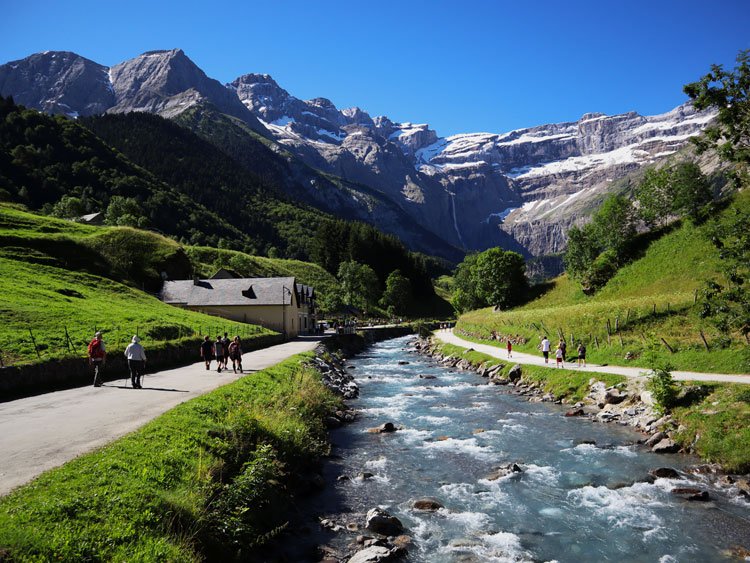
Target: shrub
663, 387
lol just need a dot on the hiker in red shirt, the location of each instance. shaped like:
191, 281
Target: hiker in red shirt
97, 357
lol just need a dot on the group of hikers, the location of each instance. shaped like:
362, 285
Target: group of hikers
560, 352
222, 350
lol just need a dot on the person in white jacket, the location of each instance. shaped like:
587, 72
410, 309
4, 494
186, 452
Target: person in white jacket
136, 356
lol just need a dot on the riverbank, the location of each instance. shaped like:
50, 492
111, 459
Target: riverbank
711, 420
213, 478
475, 472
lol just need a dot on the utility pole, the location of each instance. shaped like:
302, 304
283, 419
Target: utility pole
284, 290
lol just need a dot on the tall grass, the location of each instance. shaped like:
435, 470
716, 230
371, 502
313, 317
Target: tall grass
207, 480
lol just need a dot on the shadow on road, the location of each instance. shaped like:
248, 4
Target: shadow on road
149, 388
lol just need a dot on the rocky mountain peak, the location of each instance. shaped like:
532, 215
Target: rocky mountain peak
59, 82
168, 82
356, 116
262, 95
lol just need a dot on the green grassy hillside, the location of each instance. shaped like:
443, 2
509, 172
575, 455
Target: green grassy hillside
57, 275
651, 299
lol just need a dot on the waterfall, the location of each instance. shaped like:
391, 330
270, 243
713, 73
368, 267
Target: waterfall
455, 221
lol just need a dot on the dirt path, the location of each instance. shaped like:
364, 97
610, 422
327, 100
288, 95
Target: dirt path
522, 358
42, 432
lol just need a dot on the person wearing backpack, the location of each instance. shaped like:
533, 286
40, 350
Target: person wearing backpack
97, 352
219, 352
581, 354
225, 342
136, 356
207, 351
235, 354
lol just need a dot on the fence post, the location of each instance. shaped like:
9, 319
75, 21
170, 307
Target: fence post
671, 351
33, 341
67, 339
705, 342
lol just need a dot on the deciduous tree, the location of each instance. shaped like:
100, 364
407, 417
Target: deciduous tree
397, 294
359, 284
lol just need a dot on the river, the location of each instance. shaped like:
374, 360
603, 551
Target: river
583, 494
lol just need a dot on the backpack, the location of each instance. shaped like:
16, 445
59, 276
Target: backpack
234, 350
95, 348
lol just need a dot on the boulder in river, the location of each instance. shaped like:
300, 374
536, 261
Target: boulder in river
384, 428
575, 412
655, 439
743, 486
427, 504
665, 446
380, 522
373, 554
689, 493
504, 471
665, 473
403, 363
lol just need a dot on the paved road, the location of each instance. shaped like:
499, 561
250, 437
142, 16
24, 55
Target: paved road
521, 358
42, 432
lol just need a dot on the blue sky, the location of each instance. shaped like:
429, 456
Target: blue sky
461, 66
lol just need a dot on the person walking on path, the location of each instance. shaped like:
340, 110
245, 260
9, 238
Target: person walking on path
219, 353
207, 351
545, 349
559, 356
225, 342
564, 348
235, 353
136, 356
581, 354
97, 351
510, 348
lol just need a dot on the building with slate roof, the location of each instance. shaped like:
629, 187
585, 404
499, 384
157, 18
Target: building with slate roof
279, 304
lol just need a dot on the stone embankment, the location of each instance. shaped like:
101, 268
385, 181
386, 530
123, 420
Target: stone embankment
627, 403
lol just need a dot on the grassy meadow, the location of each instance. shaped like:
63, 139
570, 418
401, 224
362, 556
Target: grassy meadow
653, 300
58, 276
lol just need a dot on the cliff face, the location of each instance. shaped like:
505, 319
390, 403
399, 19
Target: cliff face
521, 190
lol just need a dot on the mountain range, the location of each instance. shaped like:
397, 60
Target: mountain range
520, 190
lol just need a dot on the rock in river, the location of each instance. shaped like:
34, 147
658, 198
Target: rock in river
665, 473
427, 504
666, 446
383, 428
373, 554
380, 522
